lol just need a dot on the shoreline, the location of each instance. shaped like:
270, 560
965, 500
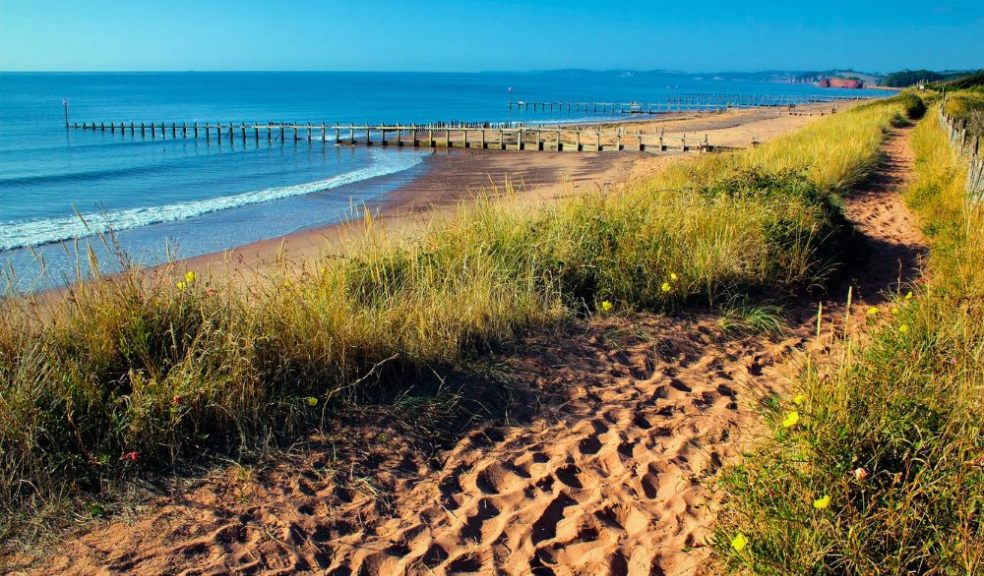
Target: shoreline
454, 176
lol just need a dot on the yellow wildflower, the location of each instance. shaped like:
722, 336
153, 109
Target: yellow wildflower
312, 401
895, 310
181, 285
190, 277
799, 399
665, 287
673, 276
739, 542
908, 295
872, 311
606, 306
791, 419
822, 503
904, 329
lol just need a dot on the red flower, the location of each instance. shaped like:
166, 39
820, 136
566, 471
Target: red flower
130, 456
176, 399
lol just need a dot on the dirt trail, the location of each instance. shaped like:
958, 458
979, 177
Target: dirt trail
609, 476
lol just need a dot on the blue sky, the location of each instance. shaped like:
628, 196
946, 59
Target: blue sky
481, 35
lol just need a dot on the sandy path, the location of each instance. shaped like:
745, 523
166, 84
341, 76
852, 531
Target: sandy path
607, 475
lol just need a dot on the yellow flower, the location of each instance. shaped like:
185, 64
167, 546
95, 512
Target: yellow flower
606, 306
665, 287
799, 399
822, 503
739, 542
872, 311
791, 419
908, 295
181, 285
312, 401
895, 310
904, 329
190, 277
673, 276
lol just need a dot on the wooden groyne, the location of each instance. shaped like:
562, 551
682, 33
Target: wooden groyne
486, 136
677, 103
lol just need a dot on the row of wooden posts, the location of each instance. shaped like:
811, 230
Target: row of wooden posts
969, 147
686, 102
503, 137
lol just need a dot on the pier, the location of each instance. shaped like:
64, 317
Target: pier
678, 103
487, 136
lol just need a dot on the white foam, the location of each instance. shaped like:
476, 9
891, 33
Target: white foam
48, 230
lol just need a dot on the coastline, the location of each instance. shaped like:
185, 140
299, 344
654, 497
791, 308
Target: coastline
456, 175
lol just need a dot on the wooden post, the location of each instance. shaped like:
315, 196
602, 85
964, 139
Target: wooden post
577, 136
618, 139
598, 146
447, 136
464, 134
242, 131
338, 135
153, 130
208, 132
539, 140
132, 128
502, 145
413, 135
483, 139
323, 133
560, 145
232, 132
430, 137
519, 143
368, 136
184, 129
174, 130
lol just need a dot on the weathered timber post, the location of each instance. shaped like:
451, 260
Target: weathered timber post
242, 131
368, 136
184, 129
539, 140
324, 134
112, 127
618, 139
413, 136
132, 128
519, 142
502, 145
232, 132
484, 146
153, 130
683, 144
174, 130
430, 137
577, 136
642, 147
560, 145
338, 135
464, 134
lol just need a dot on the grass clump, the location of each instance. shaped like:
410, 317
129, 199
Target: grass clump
877, 465
136, 373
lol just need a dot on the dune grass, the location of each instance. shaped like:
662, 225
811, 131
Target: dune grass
140, 372
881, 471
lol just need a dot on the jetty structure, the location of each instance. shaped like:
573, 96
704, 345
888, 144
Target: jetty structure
579, 136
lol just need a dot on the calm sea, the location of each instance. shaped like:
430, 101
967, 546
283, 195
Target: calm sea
197, 197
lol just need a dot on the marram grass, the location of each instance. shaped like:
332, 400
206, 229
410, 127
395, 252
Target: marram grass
141, 371
892, 440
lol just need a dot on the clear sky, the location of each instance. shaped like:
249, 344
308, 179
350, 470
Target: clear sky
476, 35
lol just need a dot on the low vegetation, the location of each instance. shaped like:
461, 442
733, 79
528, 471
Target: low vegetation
876, 465
138, 373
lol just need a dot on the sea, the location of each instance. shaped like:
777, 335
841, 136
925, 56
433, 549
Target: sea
63, 191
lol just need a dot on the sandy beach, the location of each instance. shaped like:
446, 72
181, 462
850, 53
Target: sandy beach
457, 175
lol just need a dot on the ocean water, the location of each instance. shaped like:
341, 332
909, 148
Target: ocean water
58, 188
